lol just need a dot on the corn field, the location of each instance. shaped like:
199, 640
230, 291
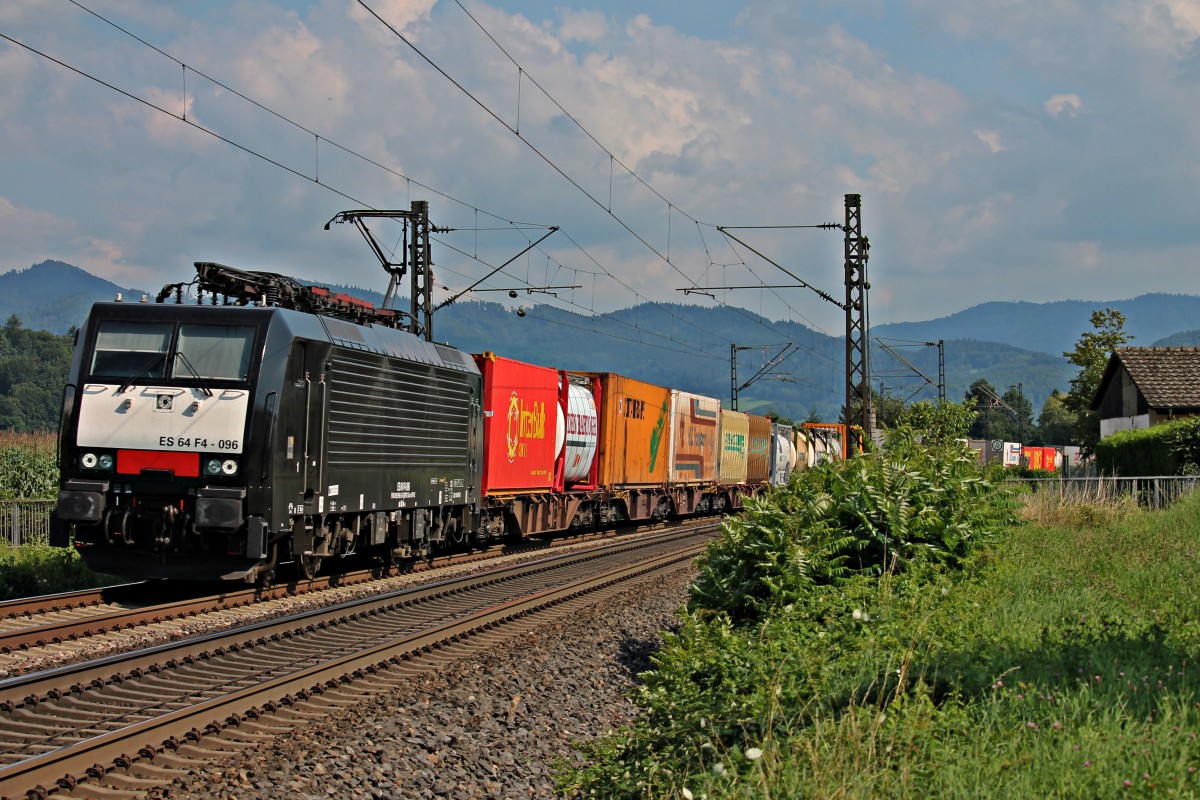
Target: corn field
28, 466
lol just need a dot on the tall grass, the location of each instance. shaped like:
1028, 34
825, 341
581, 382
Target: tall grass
1061, 661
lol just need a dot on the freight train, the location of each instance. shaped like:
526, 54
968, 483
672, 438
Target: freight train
283, 423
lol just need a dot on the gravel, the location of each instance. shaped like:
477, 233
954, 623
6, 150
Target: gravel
492, 725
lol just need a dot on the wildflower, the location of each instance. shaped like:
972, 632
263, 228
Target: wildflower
687, 793
718, 768
857, 614
754, 753
1087, 763
1129, 783
1056, 726
1031, 725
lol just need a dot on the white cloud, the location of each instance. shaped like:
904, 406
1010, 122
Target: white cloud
583, 26
771, 124
991, 140
1063, 104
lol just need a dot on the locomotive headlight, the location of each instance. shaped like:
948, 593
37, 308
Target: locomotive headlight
229, 466
212, 466
105, 461
89, 460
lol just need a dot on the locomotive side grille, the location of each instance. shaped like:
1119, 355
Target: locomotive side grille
385, 412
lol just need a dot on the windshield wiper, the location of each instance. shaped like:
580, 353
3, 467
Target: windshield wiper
142, 370
200, 381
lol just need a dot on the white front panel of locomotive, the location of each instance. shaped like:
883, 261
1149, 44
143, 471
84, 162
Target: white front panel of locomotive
162, 418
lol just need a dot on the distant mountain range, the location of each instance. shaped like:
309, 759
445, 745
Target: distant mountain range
1055, 327
688, 346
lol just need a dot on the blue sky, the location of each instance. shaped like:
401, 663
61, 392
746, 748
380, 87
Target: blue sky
1015, 150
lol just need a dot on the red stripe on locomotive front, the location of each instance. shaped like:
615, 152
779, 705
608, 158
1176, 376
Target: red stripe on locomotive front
132, 462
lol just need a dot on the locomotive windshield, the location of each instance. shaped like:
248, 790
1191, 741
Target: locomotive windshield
132, 351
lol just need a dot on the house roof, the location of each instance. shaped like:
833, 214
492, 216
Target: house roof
1168, 377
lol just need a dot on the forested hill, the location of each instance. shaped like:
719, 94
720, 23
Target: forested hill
687, 346
54, 296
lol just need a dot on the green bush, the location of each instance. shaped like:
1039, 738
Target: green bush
1148, 451
1185, 445
1138, 452
914, 503
37, 568
1058, 662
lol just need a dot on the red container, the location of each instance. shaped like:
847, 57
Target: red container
758, 450
520, 425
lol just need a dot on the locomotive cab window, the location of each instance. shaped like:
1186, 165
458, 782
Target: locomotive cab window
131, 349
136, 352
219, 352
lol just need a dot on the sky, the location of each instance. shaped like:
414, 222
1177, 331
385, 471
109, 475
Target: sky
1009, 150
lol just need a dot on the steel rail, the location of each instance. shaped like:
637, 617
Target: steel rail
64, 766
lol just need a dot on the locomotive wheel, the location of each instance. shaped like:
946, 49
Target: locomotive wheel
308, 565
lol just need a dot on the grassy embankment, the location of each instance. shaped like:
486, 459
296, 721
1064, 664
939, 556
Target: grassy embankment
1055, 658
28, 471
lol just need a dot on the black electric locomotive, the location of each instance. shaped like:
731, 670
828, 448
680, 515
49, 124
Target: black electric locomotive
292, 425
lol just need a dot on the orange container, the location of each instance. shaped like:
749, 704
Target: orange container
694, 452
758, 452
735, 444
635, 432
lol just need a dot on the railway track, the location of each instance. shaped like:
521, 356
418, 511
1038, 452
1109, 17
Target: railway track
134, 719
57, 629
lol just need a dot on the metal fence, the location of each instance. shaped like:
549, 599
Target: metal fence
23, 521
1153, 492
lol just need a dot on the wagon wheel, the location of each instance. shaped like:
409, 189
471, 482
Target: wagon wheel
308, 565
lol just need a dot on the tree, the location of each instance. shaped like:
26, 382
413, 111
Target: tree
938, 424
887, 410
1091, 355
33, 370
992, 420
1057, 422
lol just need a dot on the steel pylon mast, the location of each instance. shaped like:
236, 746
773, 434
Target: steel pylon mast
858, 326
415, 261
